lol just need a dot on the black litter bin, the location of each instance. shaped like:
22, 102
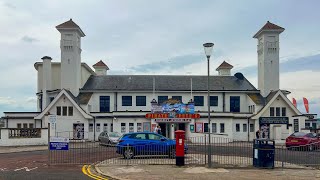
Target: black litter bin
263, 153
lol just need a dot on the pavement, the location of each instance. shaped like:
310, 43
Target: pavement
172, 172
13, 149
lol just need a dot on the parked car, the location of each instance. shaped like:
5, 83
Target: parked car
109, 138
307, 141
145, 143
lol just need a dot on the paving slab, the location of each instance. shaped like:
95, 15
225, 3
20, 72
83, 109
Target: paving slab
172, 172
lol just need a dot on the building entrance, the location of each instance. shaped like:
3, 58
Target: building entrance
164, 129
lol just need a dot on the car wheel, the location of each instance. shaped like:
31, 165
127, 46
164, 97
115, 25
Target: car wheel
128, 153
172, 153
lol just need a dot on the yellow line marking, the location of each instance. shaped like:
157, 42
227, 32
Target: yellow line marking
87, 172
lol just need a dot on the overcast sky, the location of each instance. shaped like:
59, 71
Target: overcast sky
159, 37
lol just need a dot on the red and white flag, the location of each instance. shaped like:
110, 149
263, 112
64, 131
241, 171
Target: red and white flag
306, 104
294, 102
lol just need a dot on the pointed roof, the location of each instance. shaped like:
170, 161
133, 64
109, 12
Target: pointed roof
101, 64
70, 25
224, 65
269, 27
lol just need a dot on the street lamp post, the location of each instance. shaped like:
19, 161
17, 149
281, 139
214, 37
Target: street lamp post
208, 51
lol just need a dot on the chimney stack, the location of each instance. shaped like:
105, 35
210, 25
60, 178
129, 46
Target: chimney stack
46, 80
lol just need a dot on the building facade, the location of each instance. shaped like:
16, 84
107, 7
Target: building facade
87, 102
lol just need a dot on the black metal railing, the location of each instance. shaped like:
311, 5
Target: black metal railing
24, 133
225, 152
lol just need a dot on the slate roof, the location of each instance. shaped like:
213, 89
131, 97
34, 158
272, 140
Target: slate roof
166, 83
257, 98
84, 97
70, 25
269, 27
224, 65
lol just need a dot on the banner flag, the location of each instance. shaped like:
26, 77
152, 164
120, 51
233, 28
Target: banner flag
294, 102
306, 104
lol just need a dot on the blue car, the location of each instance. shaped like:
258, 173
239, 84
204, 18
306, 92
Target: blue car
146, 143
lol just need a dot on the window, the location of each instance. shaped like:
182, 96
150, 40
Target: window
314, 125
19, 125
284, 111
234, 103
104, 103
123, 127
58, 110
251, 128
30, 125
179, 98
244, 127
307, 125
277, 111
126, 100
98, 127
131, 127
139, 136
162, 99
70, 108
51, 99
221, 127
271, 111
250, 110
105, 127
253, 108
237, 127
154, 137
111, 128
198, 100
90, 127
139, 127
205, 128
25, 125
296, 125
213, 100
141, 101
64, 110
214, 127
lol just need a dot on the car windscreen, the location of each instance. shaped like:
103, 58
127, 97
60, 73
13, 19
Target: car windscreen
114, 134
298, 134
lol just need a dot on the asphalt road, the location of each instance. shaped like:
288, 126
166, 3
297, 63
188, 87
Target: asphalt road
34, 166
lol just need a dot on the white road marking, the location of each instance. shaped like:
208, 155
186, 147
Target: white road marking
26, 168
3, 169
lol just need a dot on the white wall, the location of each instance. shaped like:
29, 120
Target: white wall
6, 141
65, 123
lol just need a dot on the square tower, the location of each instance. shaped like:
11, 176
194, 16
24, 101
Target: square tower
268, 58
70, 45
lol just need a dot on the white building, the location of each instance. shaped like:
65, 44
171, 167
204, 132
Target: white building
87, 102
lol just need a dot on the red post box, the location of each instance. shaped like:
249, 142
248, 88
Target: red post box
180, 136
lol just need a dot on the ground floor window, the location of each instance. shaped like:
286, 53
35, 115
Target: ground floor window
98, 127
139, 127
131, 127
123, 127
221, 127
237, 127
206, 128
19, 125
90, 127
78, 131
111, 128
30, 125
251, 128
105, 127
244, 127
214, 127
25, 125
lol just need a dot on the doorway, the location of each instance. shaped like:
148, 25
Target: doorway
164, 129
78, 131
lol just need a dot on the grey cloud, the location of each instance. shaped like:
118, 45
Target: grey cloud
29, 39
9, 5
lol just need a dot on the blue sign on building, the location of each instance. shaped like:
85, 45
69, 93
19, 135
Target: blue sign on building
59, 143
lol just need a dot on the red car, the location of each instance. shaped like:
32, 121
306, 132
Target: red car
307, 141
